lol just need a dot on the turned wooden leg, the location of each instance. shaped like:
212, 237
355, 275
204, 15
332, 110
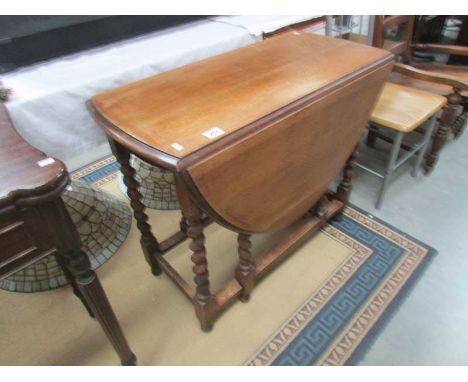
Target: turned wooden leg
72, 281
204, 301
461, 120
91, 290
344, 188
148, 242
319, 209
245, 271
77, 263
200, 267
183, 224
447, 119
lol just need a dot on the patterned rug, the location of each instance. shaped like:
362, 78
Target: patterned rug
323, 306
329, 327
337, 320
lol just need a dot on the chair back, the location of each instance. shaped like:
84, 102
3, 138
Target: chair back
394, 33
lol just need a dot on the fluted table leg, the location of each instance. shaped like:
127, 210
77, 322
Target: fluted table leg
74, 285
67, 242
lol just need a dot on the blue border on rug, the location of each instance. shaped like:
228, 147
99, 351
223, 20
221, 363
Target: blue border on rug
99, 173
366, 344
319, 333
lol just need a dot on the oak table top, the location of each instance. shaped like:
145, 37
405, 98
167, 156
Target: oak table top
183, 110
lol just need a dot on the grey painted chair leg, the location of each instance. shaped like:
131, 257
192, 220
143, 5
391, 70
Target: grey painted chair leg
390, 167
425, 145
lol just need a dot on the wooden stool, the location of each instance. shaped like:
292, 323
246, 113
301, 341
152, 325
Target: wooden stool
403, 110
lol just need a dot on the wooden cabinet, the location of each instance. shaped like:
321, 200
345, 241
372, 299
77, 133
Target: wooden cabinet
34, 223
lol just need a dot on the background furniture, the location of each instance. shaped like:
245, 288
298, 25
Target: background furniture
429, 28
236, 130
402, 109
394, 33
34, 223
462, 40
102, 221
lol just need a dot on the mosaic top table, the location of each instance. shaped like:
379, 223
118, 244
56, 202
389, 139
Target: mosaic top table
34, 224
253, 137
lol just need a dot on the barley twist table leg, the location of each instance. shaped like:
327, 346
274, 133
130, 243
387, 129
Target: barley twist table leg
245, 272
200, 267
148, 242
204, 300
319, 209
183, 224
344, 189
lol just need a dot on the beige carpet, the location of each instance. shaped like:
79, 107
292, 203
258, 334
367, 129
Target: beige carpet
52, 328
317, 307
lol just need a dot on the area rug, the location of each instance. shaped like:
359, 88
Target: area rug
323, 306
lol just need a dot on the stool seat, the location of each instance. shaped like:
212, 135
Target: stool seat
403, 108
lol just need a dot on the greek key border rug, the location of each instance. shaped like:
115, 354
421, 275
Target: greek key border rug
338, 322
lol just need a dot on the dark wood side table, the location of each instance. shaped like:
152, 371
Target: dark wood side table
34, 223
253, 137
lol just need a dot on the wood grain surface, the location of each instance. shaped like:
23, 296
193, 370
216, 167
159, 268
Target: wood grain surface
20, 171
170, 111
404, 108
268, 180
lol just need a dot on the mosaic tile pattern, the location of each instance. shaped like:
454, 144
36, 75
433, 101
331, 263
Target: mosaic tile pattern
103, 222
157, 185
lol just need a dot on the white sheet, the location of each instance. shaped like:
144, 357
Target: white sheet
48, 103
257, 25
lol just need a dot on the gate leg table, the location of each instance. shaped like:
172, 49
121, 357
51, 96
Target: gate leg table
253, 138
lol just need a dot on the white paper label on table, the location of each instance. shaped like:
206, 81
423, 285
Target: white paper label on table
213, 132
177, 146
46, 162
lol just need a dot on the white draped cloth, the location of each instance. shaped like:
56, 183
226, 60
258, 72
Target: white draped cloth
258, 25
